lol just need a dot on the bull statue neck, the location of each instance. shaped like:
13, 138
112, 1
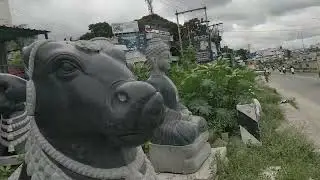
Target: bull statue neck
44, 160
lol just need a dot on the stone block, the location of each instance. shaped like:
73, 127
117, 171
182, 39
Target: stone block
180, 159
248, 118
207, 171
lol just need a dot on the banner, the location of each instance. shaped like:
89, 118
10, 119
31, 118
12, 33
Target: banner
202, 47
127, 27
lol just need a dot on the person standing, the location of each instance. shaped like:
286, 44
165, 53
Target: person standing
283, 70
292, 70
266, 74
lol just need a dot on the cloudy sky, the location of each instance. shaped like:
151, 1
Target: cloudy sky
260, 23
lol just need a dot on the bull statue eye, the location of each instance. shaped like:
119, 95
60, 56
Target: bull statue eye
66, 69
122, 97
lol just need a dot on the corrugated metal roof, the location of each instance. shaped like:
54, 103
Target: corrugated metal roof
24, 29
11, 32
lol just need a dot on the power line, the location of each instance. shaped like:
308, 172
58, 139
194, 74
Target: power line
274, 30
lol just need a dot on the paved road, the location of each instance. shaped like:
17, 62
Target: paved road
306, 85
305, 88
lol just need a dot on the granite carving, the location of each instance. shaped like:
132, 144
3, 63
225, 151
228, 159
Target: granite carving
14, 122
182, 138
89, 115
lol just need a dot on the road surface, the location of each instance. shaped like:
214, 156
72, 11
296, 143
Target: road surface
305, 88
307, 85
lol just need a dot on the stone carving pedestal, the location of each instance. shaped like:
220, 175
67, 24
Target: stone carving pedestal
207, 171
180, 159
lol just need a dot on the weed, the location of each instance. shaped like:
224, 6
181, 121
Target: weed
288, 149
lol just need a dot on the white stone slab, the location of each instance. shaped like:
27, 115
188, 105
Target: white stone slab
206, 172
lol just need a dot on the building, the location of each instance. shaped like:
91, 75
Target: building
9, 32
5, 15
135, 40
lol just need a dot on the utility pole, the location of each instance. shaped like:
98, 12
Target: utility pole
207, 27
209, 34
179, 32
302, 40
189, 37
150, 6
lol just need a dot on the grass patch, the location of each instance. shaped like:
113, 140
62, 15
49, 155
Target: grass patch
288, 149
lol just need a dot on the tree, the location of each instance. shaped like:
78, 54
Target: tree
159, 22
192, 28
243, 53
101, 29
288, 53
216, 39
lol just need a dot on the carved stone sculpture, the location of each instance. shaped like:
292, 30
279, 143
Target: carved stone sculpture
14, 122
89, 115
182, 138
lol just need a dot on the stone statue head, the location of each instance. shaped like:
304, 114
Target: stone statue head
12, 94
158, 55
86, 92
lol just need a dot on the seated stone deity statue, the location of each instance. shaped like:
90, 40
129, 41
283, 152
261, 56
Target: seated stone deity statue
88, 114
182, 138
158, 54
14, 122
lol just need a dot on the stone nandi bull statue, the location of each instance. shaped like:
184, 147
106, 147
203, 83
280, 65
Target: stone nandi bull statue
89, 115
14, 122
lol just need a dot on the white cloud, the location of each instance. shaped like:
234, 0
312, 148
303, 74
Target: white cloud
246, 17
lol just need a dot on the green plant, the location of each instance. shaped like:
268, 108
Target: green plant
146, 147
213, 90
287, 149
141, 71
5, 171
16, 59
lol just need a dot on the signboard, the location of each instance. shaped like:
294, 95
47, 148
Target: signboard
150, 29
161, 36
202, 47
133, 41
127, 27
157, 33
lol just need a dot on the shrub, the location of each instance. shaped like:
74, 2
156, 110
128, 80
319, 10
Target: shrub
16, 59
141, 71
213, 91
